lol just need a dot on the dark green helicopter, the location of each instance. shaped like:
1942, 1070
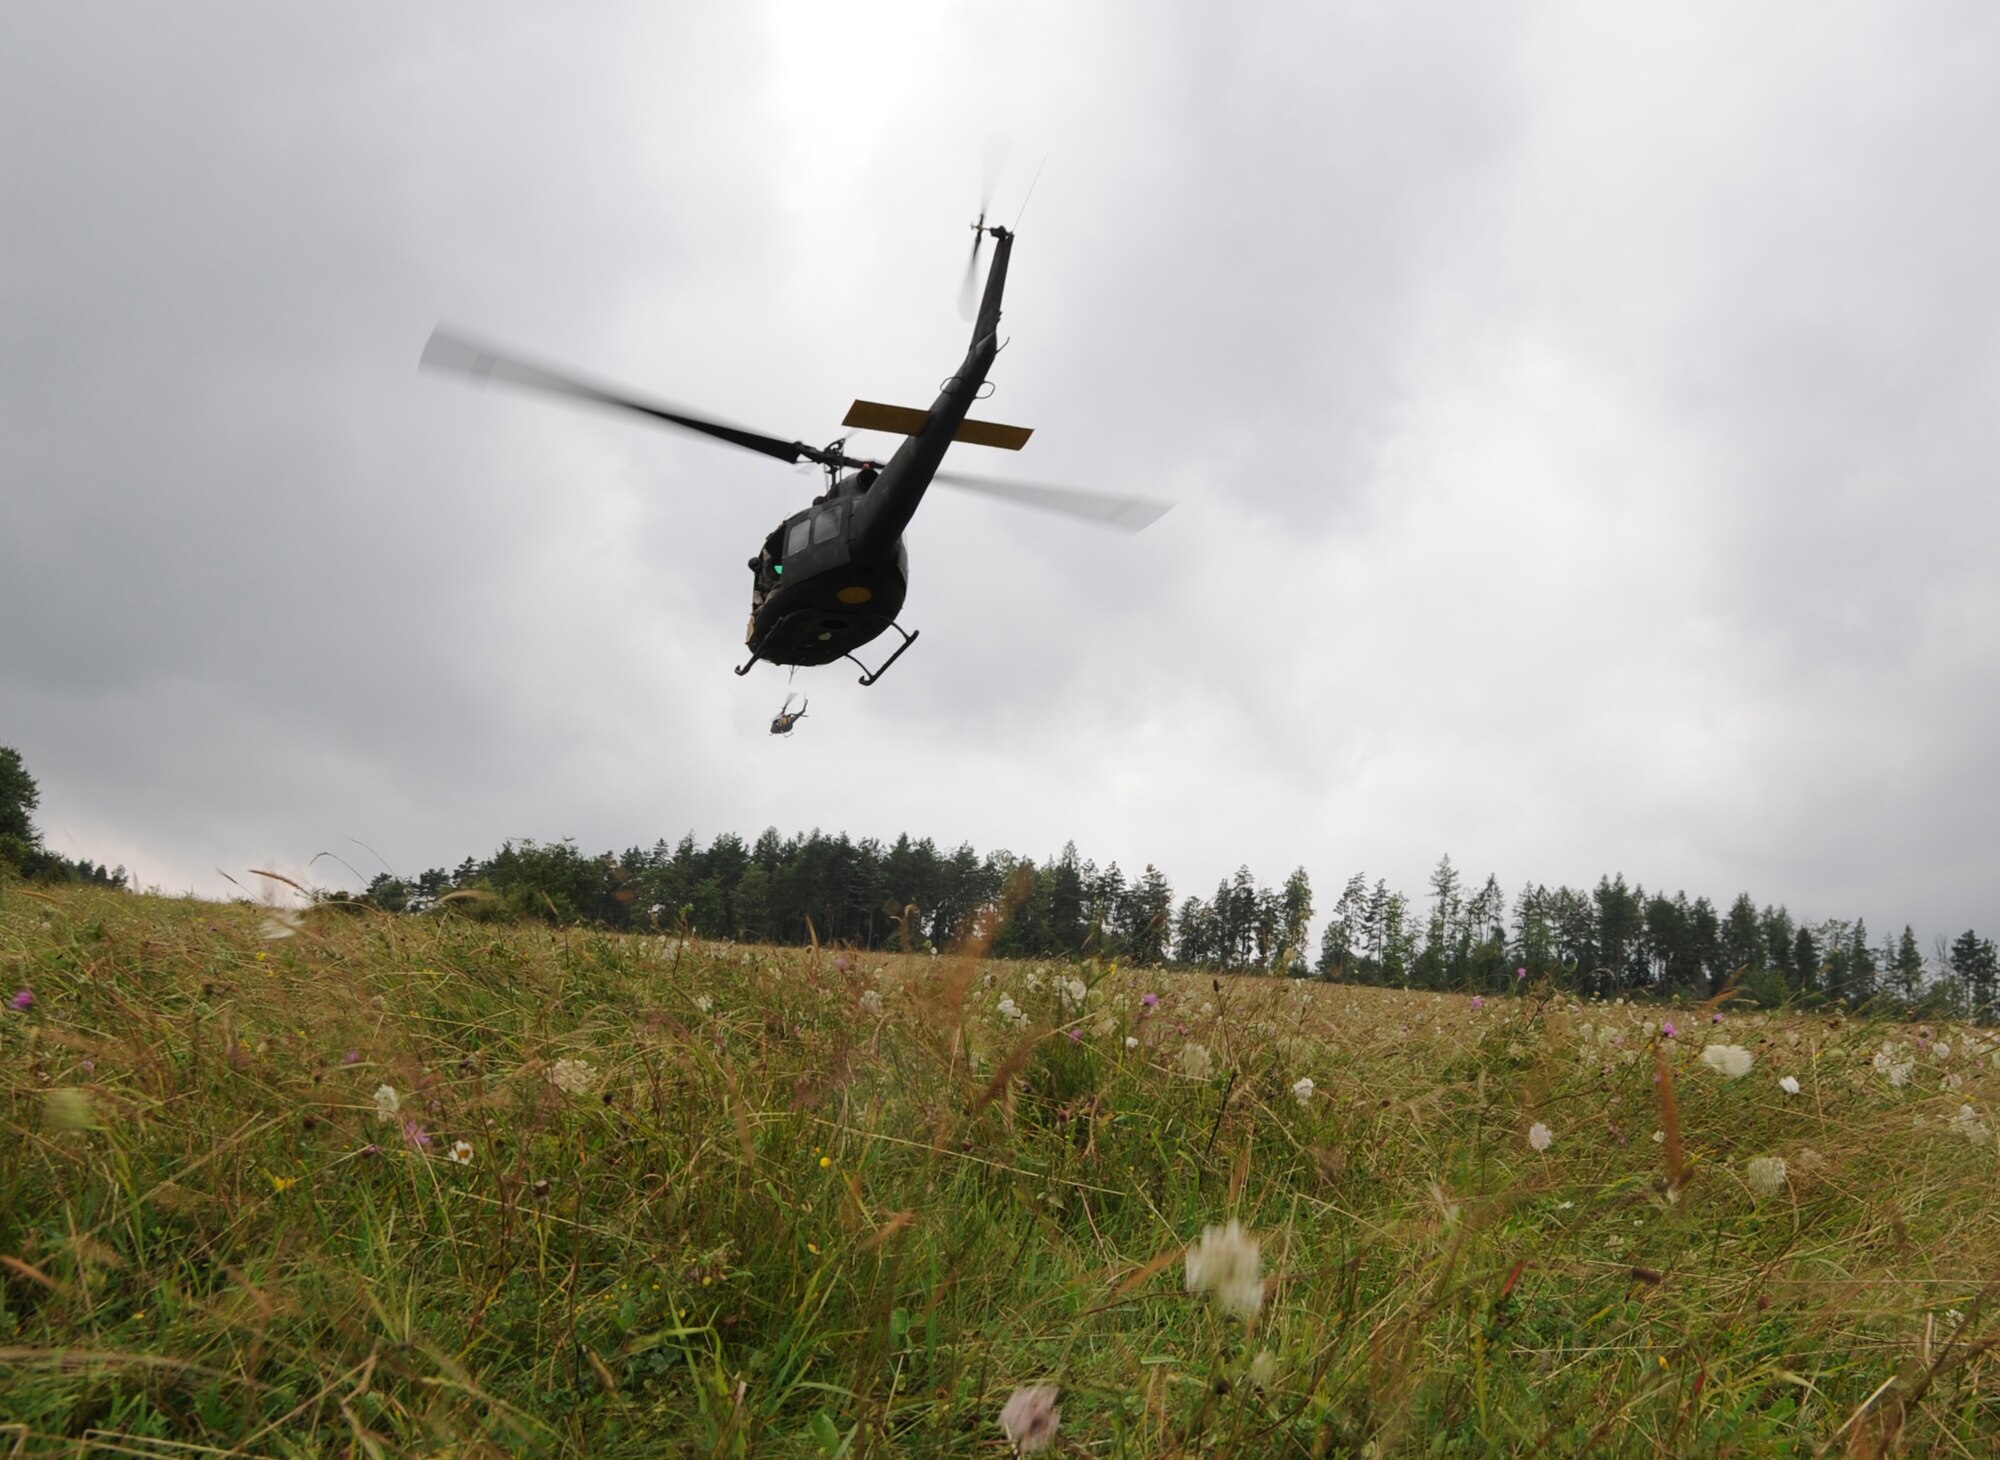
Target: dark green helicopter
834, 576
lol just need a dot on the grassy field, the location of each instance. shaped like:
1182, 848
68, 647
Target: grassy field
377, 1186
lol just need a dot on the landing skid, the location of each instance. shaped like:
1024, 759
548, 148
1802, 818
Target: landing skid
868, 678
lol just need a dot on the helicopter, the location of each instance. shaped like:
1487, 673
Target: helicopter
833, 576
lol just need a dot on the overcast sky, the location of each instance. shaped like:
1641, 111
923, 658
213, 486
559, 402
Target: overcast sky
1582, 419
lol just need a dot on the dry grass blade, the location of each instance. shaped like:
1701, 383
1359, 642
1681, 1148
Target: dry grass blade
1004, 1076
281, 877
1670, 1121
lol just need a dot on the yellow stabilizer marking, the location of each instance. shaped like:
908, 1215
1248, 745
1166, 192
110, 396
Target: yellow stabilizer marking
868, 415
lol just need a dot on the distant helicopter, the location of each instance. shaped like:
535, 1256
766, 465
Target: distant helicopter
834, 575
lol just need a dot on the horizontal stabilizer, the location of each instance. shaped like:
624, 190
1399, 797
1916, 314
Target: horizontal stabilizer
868, 415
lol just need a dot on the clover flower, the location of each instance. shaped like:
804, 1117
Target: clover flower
1029, 1418
279, 923
1131, 1041
1893, 1061
1968, 1124
1011, 1010
1195, 1061
572, 1077
416, 1135
1767, 1175
387, 1102
1540, 1137
1789, 1084
22, 1001
1073, 991
703, 1003
871, 1004
1226, 1264
1478, 1001
1302, 1089
1728, 1060
1151, 1001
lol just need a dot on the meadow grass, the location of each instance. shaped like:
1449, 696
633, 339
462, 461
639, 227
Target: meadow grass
721, 1201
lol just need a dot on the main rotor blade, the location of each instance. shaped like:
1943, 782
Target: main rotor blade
457, 355
1127, 514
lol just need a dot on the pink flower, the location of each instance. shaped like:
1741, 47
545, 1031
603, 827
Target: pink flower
24, 1000
1076, 1036
1520, 973
352, 1057
1716, 1017
1151, 1001
416, 1135
1029, 1419
1668, 1029
1478, 1002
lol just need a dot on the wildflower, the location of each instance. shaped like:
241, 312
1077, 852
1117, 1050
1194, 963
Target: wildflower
1478, 1001
1011, 1010
1302, 1089
1264, 1369
1789, 1084
22, 1001
281, 1183
1030, 1417
1520, 973
416, 1135
1226, 1263
1074, 991
572, 1077
1195, 1062
826, 1163
871, 1004
279, 923
1767, 1175
1131, 1041
1890, 1061
1942, 1050
1716, 1017
1540, 1136
1075, 1036
703, 1003
387, 1102
352, 1057
461, 1153
1669, 1029
1968, 1124
1151, 1001
1728, 1060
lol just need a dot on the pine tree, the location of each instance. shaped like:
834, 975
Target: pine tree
1906, 970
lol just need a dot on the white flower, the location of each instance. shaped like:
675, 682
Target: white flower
1131, 1041
1264, 1369
1030, 1417
1968, 1124
1789, 1084
703, 1003
461, 1153
1195, 1062
1540, 1136
387, 1102
1011, 1010
572, 1077
1073, 991
1728, 1060
1302, 1089
1894, 1062
279, 923
1941, 1050
1226, 1263
1767, 1175
871, 1004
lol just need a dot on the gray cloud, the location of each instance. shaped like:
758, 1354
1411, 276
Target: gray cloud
1582, 425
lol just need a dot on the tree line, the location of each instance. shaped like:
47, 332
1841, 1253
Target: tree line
1612, 939
1616, 939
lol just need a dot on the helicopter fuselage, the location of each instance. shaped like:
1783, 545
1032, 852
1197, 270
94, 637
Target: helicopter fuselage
833, 577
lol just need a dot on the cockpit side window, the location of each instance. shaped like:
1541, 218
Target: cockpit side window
826, 523
796, 537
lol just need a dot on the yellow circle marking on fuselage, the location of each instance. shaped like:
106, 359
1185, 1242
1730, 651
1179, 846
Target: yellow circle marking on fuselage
855, 593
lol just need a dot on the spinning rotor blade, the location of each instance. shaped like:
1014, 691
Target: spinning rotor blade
1127, 514
996, 158
449, 352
